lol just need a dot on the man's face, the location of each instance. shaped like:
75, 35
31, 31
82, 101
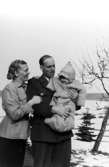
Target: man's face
23, 73
48, 68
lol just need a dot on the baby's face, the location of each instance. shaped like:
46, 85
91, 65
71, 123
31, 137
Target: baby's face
64, 79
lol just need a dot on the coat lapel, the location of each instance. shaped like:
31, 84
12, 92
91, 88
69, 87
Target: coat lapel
45, 84
43, 81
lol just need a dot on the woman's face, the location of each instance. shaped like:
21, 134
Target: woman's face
22, 73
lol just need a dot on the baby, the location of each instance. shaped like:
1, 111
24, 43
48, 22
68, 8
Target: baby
69, 92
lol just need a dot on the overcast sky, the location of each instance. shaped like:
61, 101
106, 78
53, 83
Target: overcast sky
66, 29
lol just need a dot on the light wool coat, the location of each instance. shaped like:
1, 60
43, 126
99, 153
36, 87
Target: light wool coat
15, 124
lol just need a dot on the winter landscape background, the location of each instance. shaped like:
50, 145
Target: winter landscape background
67, 30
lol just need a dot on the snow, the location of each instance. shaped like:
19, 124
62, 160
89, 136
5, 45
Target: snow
81, 151
82, 157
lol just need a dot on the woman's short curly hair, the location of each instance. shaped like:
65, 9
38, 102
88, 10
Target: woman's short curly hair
13, 68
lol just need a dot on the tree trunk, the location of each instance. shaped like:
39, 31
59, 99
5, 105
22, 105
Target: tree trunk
101, 133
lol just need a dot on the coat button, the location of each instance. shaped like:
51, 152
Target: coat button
41, 94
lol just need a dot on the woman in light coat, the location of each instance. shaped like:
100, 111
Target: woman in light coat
14, 128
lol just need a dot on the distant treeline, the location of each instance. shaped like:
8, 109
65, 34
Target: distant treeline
97, 96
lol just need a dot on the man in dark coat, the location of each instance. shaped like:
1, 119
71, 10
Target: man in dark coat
49, 148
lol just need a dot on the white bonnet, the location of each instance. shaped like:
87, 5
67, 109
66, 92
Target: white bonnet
68, 71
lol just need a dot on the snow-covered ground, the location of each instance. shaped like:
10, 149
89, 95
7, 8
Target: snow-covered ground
82, 157
81, 150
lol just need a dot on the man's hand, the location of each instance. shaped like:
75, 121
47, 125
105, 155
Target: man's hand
66, 112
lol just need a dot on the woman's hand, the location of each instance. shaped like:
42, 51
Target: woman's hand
35, 100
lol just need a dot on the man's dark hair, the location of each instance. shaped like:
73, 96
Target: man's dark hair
43, 58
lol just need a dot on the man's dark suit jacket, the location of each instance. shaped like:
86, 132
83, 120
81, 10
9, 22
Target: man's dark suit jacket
40, 131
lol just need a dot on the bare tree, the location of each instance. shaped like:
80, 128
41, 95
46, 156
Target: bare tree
98, 71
